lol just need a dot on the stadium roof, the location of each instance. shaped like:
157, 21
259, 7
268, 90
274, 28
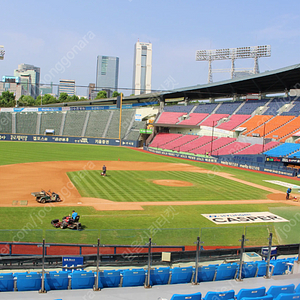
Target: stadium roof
270, 82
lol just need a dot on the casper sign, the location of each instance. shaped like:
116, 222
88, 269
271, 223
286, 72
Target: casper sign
237, 218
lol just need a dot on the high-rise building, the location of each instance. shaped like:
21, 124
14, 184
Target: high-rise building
107, 73
66, 86
142, 68
34, 73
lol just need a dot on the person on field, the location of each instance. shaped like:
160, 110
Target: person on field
289, 190
103, 170
74, 214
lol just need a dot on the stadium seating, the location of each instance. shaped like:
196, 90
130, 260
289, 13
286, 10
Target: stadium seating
283, 150
97, 123
82, 280
275, 104
176, 144
254, 122
195, 296
206, 108
51, 120
228, 107
74, 123
297, 290
257, 148
26, 122
159, 276
251, 293
193, 119
280, 267
163, 138
109, 278
250, 106
181, 275
227, 295
6, 122
179, 108
268, 129
274, 291
233, 122
196, 143
28, 281
6, 282
56, 280
226, 271
207, 273
267, 297
290, 296
217, 143
212, 120
249, 270
135, 277
261, 268
230, 149
169, 118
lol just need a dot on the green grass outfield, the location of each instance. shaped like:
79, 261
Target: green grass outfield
111, 225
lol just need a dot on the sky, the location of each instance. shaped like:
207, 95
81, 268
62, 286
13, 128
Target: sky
64, 37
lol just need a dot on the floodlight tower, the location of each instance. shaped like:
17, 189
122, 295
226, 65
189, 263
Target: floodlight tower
2, 52
232, 54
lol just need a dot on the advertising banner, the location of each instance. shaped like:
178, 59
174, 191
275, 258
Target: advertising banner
247, 217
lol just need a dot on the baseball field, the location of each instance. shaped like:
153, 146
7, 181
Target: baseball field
143, 193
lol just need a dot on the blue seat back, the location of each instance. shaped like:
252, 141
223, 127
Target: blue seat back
261, 268
181, 275
206, 273
281, 289
267, 297
29, 281
135, 277
251, 293
110, 278
6, 282
249, 270
56, 281
226, 271
280, 266
219, 295
159, 276
82, 280
196, 296
297, 290
289, 296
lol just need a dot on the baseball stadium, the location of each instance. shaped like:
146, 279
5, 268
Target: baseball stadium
194, 191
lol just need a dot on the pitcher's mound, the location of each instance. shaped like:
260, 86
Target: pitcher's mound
172, 182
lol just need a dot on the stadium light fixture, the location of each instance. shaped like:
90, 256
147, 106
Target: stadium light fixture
232, 54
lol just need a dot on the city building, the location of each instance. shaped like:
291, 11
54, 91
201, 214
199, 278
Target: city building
12, 84
142, 68
107, 74
25, 70
66, 86
46, 89
91, 91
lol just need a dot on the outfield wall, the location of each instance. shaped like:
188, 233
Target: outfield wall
249, 162
67, 140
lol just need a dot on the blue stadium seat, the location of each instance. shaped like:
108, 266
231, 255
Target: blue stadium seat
280, 267
251, 293
207, 273
288, 296
249, 269
297, 290
109, 278
267, 297
219, 295
261, 268
281, 289
29, 281
56, 281
82, 280
181, 275
196, 296
135, 277
226, 271
159, 276
6, 282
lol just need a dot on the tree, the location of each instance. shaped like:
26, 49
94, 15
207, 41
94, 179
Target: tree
7, 99
26, 100
73, 98
101, 95
116, 94
63, 97
46, 99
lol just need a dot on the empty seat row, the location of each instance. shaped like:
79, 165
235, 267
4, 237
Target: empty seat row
283, 292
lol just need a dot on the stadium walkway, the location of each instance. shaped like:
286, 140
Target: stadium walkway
163, 291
